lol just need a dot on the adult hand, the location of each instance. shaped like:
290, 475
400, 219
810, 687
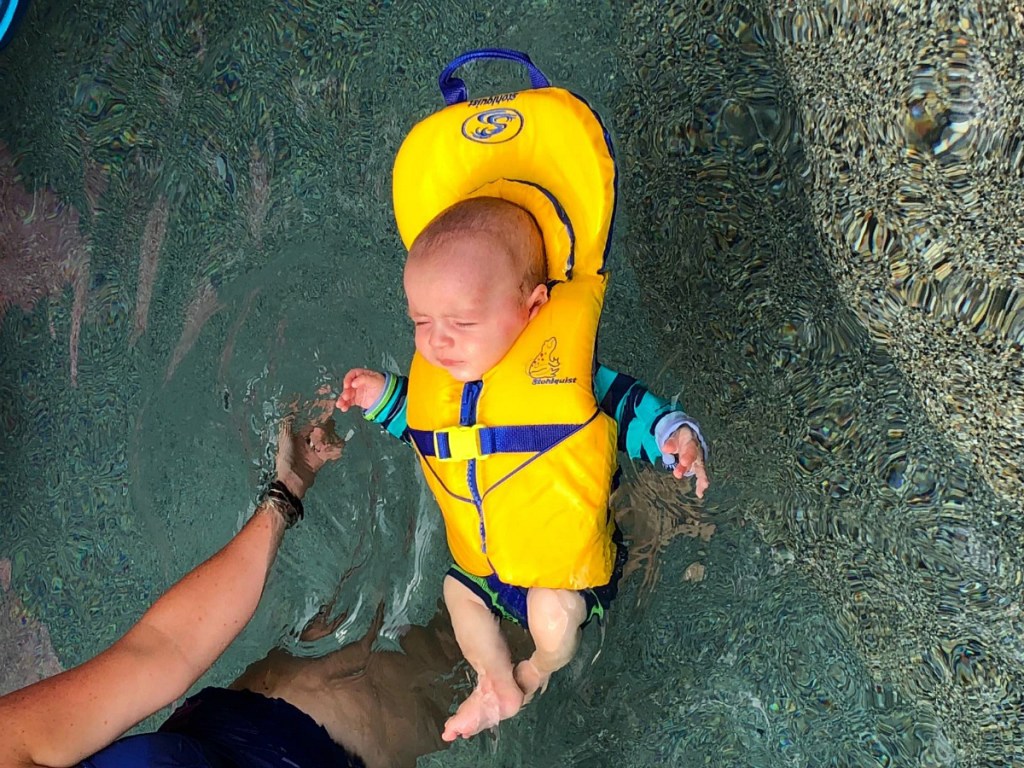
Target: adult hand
301, 455
63, 719
361, 387
689, 458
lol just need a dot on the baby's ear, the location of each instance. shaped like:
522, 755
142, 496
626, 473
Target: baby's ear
537, 299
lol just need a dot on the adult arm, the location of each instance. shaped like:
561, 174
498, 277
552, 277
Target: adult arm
64, 719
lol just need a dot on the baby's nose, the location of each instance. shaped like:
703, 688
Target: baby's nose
439, 338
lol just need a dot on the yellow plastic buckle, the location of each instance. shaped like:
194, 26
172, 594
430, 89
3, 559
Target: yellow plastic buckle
463, 443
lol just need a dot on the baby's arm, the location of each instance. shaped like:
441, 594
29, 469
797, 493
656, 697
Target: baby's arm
382, 396
650, 427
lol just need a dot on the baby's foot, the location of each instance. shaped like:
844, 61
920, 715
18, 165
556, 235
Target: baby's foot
530, 680
487, 705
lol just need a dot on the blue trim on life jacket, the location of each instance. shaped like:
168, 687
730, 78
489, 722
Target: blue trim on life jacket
615, 181
467, 410
566, 222
467, 417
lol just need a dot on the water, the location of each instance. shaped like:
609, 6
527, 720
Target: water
812, 251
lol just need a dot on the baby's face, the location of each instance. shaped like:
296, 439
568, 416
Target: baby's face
466, 302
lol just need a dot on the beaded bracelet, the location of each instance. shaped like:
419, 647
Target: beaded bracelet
286, 502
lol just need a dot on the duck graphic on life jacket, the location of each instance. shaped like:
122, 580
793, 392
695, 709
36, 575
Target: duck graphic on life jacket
545, 365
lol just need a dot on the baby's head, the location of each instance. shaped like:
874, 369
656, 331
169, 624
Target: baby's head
474, 278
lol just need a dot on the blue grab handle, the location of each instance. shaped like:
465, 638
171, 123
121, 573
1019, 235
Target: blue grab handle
454, 89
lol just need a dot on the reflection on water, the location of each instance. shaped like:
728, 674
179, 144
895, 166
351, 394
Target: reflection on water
768, 138
816, 251
915, 195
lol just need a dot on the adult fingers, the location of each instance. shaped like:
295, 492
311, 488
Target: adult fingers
284, 429
325, 443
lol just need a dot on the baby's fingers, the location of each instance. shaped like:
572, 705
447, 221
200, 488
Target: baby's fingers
348, 395
355, 380
683, 445
700, 474
346, 383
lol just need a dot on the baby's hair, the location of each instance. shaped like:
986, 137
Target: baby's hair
512, 225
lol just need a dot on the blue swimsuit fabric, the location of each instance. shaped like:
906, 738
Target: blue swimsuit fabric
220, 728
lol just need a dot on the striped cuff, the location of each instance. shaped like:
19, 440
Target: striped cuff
380, 405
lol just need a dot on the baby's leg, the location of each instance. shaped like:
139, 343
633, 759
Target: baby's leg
555, 616
496, 696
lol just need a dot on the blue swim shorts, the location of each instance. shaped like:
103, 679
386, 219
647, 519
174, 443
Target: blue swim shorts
509, 602
221, 728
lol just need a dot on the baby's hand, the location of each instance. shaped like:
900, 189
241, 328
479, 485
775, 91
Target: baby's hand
361, 387
689, 457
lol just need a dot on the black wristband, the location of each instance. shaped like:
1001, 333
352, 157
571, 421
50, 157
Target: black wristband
287, 502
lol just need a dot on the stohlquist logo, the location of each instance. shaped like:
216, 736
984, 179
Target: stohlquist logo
493, 126
490, 101
570, 380
544, 367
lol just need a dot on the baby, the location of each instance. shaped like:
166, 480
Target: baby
475, 278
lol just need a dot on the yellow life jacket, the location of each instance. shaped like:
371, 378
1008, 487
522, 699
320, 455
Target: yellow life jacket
521, 463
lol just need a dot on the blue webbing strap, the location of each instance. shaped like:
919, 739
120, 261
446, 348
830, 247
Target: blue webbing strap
454, 89
530, 438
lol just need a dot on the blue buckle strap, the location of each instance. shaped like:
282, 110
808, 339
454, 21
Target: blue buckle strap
454, 89
477, 442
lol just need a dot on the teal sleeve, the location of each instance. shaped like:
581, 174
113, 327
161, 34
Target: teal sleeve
645, 420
